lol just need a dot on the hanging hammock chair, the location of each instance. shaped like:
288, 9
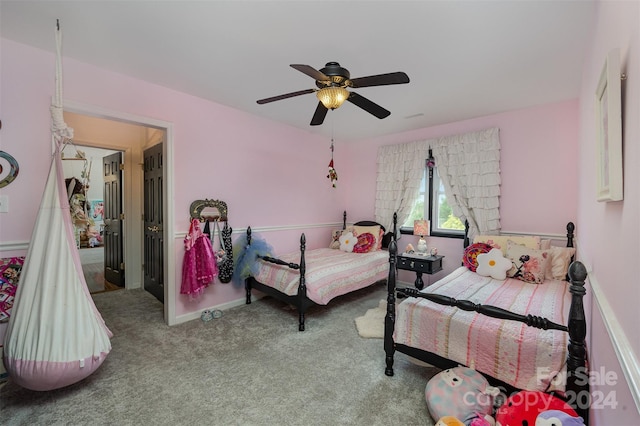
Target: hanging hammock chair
56, 336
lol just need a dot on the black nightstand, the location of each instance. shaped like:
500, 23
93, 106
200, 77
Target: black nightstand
420, 265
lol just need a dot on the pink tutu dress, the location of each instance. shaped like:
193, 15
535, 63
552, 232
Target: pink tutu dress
199, 265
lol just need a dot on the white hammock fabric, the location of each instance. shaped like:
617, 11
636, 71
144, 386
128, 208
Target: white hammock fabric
56, 336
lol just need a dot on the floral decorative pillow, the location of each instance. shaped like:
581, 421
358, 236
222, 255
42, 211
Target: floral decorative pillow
469, 258
335, 239
10, 269
528, 264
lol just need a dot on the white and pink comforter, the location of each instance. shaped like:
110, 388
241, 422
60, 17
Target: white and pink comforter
329, 273
525, 357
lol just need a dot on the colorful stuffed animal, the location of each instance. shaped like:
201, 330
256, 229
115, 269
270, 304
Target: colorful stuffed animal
523, 408
558, 418
449, 421
460, 392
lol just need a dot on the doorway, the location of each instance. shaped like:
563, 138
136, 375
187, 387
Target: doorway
95, 126
83, 172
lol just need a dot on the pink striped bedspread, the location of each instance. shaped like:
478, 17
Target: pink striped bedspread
522, 356
329, 273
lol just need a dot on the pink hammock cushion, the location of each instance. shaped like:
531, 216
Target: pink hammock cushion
48, 375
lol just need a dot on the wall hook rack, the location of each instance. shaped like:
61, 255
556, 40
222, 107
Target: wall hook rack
197, 208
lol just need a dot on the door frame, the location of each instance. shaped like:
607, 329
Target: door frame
133, 246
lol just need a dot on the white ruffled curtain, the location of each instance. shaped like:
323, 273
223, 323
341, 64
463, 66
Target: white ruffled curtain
400, 171
468, 165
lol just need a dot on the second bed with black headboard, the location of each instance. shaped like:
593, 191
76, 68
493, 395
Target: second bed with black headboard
315, 277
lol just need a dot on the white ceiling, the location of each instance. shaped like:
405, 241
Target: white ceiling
465, 59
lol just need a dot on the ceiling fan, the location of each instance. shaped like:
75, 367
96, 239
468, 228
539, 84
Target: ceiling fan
333, 81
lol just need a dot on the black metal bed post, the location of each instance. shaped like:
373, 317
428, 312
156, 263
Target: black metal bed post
465, 242
390, 317
344, 220
247, 283
302, 288
577, 388
570, 233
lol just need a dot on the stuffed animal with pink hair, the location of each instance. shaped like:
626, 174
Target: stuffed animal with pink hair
558, 418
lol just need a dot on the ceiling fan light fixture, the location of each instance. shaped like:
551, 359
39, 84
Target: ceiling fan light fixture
332, 97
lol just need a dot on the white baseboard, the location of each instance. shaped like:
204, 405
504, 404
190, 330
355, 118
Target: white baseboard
221, 307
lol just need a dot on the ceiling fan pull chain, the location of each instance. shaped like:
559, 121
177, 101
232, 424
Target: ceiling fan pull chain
333, 175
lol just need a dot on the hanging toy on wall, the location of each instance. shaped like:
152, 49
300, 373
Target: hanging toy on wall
333, 175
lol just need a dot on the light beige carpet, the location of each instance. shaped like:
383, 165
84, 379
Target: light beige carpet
252, 367
371, 324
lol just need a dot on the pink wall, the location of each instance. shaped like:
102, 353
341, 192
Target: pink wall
538, 165
609, 232
538, 170
262, 169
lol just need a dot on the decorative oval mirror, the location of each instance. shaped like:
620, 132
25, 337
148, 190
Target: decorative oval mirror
6, 177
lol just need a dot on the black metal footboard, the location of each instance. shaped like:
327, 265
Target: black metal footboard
300, 300
577, 386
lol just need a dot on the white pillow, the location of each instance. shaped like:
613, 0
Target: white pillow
500, 241
347, 241
493, 264
558, 267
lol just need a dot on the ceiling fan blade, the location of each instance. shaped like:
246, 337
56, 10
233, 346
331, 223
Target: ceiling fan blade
319, 115
381, 79
285, 96
311, 72
367, 105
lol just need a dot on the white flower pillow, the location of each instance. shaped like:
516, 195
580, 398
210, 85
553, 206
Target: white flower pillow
493, 264
347, 241
335, 237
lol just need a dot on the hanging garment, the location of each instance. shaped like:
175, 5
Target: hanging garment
225, 268
199, 266
218, 252
55, 336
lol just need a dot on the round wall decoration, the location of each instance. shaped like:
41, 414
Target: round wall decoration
7, 174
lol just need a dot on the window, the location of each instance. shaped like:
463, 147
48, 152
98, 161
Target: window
432, 203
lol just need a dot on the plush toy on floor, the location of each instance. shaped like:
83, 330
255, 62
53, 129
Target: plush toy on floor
524, 407
449, 421
462, 393
558, 418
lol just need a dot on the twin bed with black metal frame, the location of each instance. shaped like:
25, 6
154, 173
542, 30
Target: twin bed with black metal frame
576, 391
310, 273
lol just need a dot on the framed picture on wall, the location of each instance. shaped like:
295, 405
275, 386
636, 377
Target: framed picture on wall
609, 130
96, 210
